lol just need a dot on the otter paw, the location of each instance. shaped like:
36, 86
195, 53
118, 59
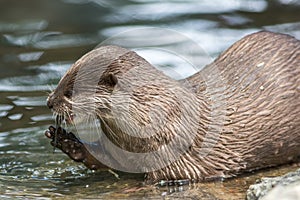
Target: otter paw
67, 142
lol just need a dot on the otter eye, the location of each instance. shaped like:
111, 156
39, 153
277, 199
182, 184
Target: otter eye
111, 79
68, 94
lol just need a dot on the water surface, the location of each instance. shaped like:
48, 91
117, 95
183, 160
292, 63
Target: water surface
40, 39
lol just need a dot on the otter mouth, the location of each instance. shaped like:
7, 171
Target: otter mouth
71, 119
64, 119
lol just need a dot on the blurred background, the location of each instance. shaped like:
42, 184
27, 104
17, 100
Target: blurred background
40, 39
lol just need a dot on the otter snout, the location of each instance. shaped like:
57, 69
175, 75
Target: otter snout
49, 104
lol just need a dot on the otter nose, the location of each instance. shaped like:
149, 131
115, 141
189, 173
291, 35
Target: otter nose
50, 101
49, 104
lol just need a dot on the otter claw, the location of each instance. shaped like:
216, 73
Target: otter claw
48, 134
52, 129
68, 143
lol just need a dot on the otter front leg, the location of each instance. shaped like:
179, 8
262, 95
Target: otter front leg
73, 147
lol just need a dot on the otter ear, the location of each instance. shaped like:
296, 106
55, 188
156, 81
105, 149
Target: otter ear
111, 79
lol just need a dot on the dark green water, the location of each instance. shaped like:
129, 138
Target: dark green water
40, 39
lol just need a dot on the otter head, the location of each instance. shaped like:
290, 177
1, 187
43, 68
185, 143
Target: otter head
87, 87
88, 83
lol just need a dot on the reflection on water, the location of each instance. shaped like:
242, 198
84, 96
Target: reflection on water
40, 39
157, 10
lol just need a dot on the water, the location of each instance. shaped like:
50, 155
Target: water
40, 39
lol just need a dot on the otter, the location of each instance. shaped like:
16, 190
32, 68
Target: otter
238, 114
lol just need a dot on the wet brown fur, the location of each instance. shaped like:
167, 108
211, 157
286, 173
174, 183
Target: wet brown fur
254, 85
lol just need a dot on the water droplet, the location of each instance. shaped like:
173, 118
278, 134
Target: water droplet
260, 64
261, 88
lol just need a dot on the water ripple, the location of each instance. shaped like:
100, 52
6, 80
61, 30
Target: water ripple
27, 39
50, 40
26, 25
39, 82
31, 56
157, 10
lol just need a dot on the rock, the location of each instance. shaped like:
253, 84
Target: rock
285, 187
290, 192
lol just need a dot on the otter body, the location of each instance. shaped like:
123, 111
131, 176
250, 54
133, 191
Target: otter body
238, 114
